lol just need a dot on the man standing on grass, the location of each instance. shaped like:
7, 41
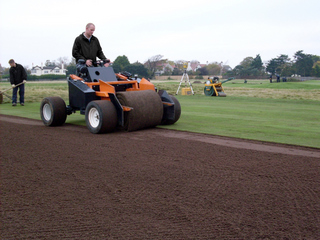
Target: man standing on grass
17, 75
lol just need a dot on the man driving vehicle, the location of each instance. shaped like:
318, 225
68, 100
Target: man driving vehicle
86, 49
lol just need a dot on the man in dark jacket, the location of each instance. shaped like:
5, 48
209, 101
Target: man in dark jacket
87, 47
17, 75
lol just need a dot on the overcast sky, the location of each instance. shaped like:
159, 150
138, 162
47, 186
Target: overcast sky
205, 30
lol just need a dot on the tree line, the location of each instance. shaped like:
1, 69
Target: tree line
306, 65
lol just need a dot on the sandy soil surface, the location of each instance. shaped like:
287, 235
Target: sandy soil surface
66, 183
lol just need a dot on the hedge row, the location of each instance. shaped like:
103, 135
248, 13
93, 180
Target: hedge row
41, 77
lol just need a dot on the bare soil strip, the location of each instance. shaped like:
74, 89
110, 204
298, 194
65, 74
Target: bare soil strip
217, 140
66, 183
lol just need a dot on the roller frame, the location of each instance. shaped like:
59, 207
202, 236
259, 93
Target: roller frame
82, 92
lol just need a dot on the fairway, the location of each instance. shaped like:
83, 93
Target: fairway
273, 120
278, 112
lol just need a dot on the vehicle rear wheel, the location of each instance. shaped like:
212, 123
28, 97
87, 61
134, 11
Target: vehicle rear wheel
101, 116
53, 111
177, 112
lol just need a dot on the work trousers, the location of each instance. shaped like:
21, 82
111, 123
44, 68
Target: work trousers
21, 94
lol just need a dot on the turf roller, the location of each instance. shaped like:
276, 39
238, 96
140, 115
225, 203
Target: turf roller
147, 109
111, 101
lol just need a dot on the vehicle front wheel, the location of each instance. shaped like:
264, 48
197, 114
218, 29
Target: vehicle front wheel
101, 116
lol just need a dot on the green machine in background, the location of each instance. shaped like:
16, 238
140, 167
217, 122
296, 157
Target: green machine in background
213, 87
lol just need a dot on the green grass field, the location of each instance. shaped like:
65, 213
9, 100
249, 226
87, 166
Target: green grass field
274, 112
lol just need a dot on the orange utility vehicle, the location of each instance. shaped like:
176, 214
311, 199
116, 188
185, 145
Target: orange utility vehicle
112, 101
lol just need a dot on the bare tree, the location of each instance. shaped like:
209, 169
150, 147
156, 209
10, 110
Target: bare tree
153, 64
62, 60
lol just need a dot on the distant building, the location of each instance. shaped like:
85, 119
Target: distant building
194, 66
164, 67
43, 70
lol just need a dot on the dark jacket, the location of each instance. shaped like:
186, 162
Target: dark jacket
17, 74
83, 49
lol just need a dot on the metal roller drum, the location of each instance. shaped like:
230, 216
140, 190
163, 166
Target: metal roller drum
147, 109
